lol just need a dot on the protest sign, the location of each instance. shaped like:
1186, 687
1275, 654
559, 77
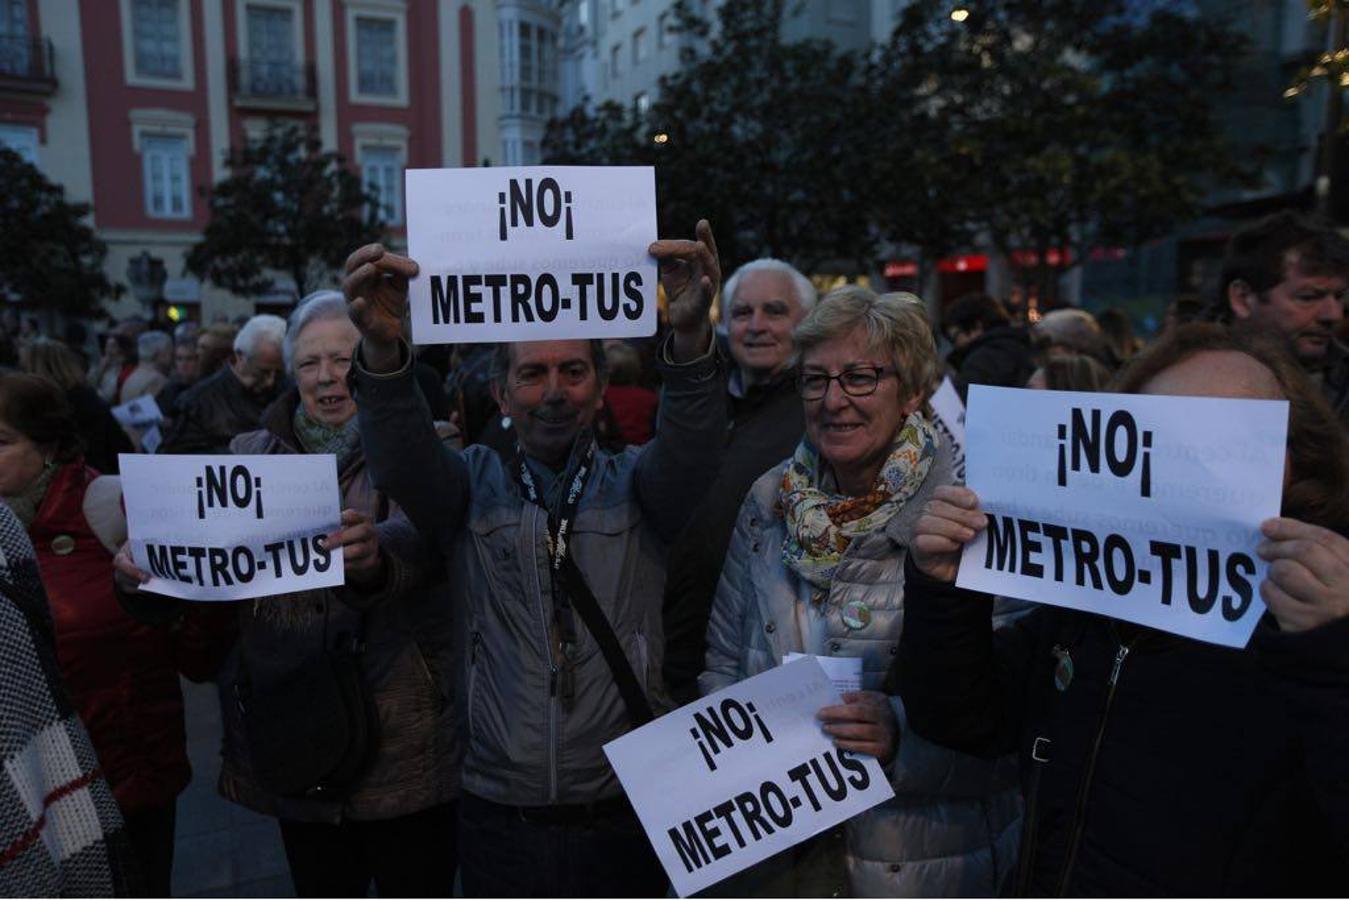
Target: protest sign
530, 254
742, 774
949, 417
232, 527
1143, 508
139, 413
845, 672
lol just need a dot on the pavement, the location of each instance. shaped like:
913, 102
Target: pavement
221, 849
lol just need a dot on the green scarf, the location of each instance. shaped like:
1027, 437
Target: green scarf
821, 525
344, 441
25, 503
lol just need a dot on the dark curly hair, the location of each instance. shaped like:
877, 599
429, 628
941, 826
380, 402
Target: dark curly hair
36, 407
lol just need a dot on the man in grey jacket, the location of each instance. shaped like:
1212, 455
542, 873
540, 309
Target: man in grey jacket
527, 540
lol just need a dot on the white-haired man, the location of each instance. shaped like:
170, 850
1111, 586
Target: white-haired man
231, 401
154, 354
760, 306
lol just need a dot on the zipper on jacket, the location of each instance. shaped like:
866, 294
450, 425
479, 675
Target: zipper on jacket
1084, 790
550, 700
473, 680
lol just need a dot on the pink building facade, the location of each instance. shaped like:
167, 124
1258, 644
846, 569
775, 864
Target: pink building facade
133, 106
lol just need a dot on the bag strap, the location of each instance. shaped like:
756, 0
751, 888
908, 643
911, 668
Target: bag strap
584, 602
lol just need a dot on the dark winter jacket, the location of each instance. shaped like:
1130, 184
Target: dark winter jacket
765, 423
1152, 764
409, 661
212, 413
103, 437
1335, 380
1001, 357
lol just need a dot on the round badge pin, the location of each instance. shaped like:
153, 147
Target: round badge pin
856, 615
63, 545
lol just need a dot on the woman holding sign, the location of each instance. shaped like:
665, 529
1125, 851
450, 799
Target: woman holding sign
336, 705
122, 674
1156, 764
816, 566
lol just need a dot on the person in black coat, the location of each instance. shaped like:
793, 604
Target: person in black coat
989, 349
761, 304
1155, 764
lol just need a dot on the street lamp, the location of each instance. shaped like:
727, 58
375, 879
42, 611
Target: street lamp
147, 275
959, 14
661, 138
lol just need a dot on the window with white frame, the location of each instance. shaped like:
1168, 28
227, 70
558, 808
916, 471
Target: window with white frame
157, 38
164, 164
271, 66
21, 139
663, 31
642, 103
382, 172
377, 57
15, 57
638, 46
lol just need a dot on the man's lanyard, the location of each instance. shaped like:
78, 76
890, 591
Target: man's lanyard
559, 527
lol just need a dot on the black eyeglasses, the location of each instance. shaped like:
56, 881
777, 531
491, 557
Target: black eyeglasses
857, 382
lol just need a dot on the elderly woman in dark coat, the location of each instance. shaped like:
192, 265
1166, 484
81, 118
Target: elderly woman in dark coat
395, 823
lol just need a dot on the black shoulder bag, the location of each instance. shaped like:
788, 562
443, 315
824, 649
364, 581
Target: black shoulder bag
313, 732
570, 590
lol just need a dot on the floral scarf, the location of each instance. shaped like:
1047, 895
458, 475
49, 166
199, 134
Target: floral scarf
821, 525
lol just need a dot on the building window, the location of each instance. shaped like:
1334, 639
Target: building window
376, 57
382, 171
615, 60
271, 66
615, 7
638, 46
156, 34
642, 103
14, 54
167, 183
526, 54
22, 140
529, 154
663, 31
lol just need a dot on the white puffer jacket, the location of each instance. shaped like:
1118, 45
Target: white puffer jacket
952, 828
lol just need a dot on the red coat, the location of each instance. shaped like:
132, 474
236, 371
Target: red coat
122, 675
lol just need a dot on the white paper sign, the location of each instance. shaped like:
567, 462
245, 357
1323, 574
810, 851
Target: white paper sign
845, 672
531, 254
742, 774
138, 413
231, 527
949, 417
1143, 508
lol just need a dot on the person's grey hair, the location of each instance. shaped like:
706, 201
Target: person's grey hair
151, 343
264, 327
805, 291
1075, 329
501, 362
320, 306
894, 323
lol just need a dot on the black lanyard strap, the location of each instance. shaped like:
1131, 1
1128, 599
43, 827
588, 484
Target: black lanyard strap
570, 590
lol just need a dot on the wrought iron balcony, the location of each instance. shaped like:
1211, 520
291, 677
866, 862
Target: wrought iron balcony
268, 84
27, 64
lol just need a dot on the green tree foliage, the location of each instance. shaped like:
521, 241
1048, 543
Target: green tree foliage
50, 256
287, 207
1032, 124
757, 136
1070, 123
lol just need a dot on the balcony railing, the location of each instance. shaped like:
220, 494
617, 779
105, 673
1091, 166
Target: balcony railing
27, 64
271, 84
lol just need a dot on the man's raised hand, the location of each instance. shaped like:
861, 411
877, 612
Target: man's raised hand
376, 288
691, 274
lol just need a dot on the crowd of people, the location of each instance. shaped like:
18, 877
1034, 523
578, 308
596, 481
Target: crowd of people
549, 544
